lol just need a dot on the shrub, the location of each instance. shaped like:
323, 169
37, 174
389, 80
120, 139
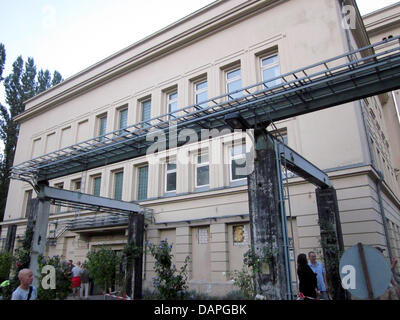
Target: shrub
170, 283
6, 260
63, 279
102, 265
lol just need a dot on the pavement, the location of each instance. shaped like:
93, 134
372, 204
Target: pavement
97, 297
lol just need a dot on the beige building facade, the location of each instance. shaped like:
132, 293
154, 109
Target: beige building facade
201, 206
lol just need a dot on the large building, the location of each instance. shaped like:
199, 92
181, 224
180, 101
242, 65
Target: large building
202, 207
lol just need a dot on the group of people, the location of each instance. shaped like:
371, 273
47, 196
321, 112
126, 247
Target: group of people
312, 277
80, 280
79, 284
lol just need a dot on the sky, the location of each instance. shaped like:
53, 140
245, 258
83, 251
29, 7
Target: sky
72, 35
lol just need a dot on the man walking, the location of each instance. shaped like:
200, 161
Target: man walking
319, 270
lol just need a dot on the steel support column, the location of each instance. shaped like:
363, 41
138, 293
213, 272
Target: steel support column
134, 269
266, 221
331, 239
39, 234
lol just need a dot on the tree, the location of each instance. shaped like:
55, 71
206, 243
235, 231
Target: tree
102, 265
20, 85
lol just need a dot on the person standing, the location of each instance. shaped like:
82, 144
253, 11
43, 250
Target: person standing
76, 279
85, 281
318, 268
25, 291
307, 278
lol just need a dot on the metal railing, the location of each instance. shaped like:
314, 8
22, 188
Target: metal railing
334, 81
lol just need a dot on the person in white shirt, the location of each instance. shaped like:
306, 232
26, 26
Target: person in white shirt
25, 291
76, 279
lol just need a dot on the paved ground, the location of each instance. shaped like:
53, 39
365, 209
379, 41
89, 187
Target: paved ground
99, 297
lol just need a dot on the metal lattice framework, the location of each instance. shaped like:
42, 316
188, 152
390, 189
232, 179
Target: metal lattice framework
354, 75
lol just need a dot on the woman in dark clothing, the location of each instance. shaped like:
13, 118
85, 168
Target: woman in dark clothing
307, 278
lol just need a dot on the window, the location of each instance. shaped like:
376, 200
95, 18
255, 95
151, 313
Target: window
118, 183
146, 112
238, 162
96, 186
233, 83
201, 93
143, 174
123, 118
170, 177
76, 185
102, 126
172, 100
60, 185
270, 69
27, 202
202, 235
202, 171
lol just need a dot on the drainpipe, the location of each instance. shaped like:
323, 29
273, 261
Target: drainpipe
373, 164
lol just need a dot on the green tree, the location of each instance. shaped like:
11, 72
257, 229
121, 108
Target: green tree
102, 265
20, 85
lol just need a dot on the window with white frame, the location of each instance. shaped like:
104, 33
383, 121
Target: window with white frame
102, 126
123, 118
118, 184
170, 176
270, 69
201, 93
238, 162
202, 172
96, 185
143, 174
172, 103
146, 111
233, 83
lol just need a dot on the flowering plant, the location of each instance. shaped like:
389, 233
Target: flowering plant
63, 279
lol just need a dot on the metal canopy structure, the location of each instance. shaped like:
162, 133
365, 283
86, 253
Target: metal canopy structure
354, 75
301, 166
87, 201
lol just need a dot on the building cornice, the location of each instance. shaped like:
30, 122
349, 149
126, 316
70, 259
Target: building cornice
110, 68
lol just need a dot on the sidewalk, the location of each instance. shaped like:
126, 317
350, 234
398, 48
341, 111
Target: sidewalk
97, 297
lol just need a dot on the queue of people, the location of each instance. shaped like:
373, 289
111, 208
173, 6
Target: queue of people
80, 280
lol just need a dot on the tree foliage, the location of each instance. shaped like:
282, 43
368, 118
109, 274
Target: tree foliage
102, 265
170, 283
20, 85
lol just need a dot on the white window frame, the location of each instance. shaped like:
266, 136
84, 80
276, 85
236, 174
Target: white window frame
138, 182
170, 172
269, 66
200, 91
122, 109
99, 127
169, 101
236, 157
228, 81
200, 165
142, 102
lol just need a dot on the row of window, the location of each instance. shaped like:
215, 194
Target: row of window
269, 68
233, 79
201, 177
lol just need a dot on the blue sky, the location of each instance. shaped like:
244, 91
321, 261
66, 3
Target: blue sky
67, 35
